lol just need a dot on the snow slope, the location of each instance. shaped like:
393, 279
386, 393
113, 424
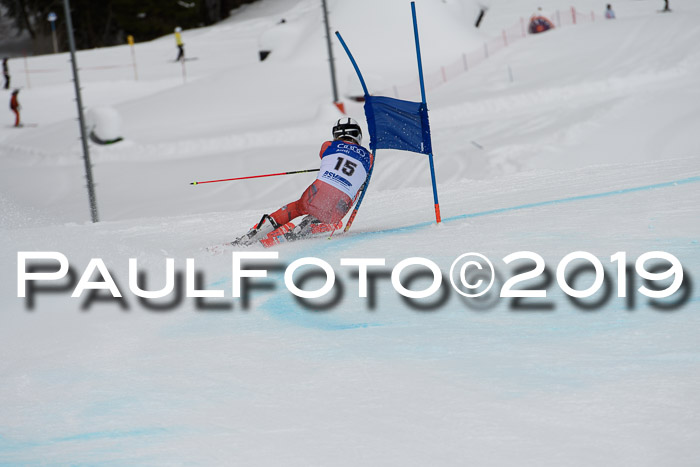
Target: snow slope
589, 148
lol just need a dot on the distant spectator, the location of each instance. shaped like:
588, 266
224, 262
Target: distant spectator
14, 106
666, 7
609, 12
180, 44
6, 73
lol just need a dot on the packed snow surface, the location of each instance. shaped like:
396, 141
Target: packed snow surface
581, 139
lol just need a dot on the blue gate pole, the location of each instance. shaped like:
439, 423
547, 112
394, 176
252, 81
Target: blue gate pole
354, 63
369, 174
422, 94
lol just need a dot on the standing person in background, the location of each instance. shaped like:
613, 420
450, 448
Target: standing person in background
6, 72
609, 13
180, 44
666, 7
14, 106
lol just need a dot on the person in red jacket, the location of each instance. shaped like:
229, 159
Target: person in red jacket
344, 168
14, 106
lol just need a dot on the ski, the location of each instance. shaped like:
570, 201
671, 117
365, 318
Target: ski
283, 234
317, 230
242, 241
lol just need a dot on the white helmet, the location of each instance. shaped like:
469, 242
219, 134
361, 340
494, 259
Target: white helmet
347, 128
178, 29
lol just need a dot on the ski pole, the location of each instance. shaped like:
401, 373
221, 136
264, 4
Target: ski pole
359, 201
362, 189
255, 176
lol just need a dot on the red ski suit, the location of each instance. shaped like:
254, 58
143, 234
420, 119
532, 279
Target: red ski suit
14, 106
321, 200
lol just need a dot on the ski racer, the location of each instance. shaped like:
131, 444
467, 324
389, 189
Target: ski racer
345, 164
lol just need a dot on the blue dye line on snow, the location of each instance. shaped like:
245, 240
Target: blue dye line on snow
570, 199
110, 434
9, 446
222, 281
283, 309
537, 204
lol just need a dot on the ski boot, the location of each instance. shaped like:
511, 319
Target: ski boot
259, 231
